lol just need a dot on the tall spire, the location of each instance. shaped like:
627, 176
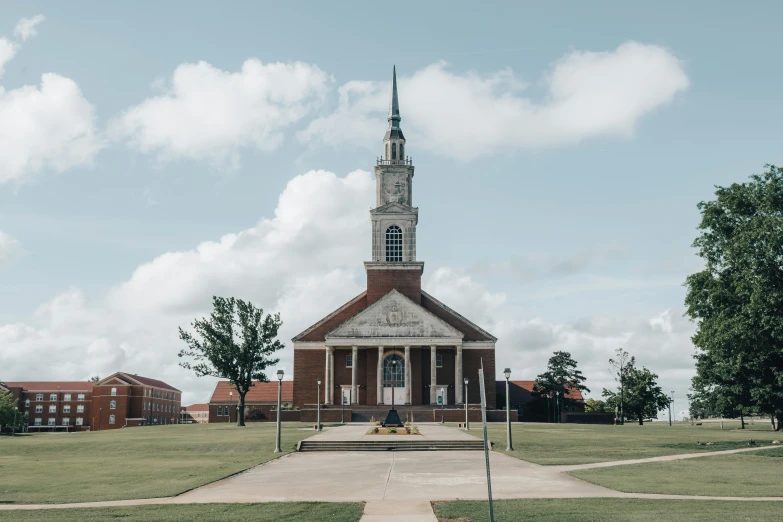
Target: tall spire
394, 105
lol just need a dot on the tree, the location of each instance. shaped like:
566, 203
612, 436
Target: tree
619, 367
595, 406
737, 299
642, 396
561, 376
10, 416
236, 343
95, 378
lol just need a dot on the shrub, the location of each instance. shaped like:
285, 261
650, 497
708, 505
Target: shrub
391, 429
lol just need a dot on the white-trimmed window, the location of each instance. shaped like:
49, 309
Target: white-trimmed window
52, 396
393, 243
113, 405
113, 391
220, 411
66, 421
111, 419
67, 408
80, 397
50, 421
27, 403
80, 408
349, 360
438, 360
67, 397
38, 421
79, 421
39, 396
39, 408
52, 408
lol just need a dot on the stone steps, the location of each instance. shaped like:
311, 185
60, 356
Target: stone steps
391, 445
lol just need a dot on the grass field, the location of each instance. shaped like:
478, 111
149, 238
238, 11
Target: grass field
616, 510
145, 462
267, 512
752, 474
583, 443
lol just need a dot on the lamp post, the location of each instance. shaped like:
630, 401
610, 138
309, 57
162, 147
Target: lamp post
467, 419
557, 406
318, 418
670, 408
279, 405
342, 407
230, 398
442, 402
509, 447
548, 406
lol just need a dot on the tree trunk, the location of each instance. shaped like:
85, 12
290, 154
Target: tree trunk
780, 421
241, 409
772, 419
742, 420
641, 418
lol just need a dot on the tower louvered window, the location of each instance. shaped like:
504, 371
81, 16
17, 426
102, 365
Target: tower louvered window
393, 243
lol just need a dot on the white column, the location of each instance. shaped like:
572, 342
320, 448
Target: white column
327, 374
433, 375
330, 373
458, 384
408, 374
354, 373
380, 375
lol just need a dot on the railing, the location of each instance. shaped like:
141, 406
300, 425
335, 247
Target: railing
406, 161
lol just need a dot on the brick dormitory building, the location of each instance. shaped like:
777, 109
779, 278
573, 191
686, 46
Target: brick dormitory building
118, 401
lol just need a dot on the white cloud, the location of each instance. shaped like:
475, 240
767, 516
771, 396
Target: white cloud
303, 262
10, 248
25, 28
208, 113
8, 50
589, 94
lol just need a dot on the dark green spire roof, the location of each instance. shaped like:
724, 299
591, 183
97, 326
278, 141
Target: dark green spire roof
394, 105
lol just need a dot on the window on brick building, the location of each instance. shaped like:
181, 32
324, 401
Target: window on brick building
114, 391
67, 408
438, 361
38, 408
67, 397
39, 396
52, 396
66, 421
50, 421
52, 409
393, 243
220, 411
349, 361
79, 421
113, 405
38, 421
27, 403
80, 397
80, 408
111, 419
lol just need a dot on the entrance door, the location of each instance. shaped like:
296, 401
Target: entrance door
347, 396
394, 379
442, 395
399, 396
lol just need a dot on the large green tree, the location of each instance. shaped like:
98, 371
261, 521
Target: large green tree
236, 342
10, 416
561, 376
737, 299
642, 397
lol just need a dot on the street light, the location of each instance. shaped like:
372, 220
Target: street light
442, 402
670, 408
318, 418
230, 398
467, 420
279, 405
507, 373
557, 406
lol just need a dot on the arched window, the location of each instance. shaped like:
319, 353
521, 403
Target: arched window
114, 391
393, 243
402, 151
113, 405
394, 151
394, 371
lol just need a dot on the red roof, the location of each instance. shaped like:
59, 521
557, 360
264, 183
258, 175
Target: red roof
151, 382
52, 385
260, 392
197, 407
521, 392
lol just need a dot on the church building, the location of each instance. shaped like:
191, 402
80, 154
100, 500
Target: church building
393, 343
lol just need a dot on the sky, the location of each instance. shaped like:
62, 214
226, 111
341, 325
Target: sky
152, 156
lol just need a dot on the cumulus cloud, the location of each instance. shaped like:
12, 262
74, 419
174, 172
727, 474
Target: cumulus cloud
25, 28
51, 126
10, 248
208, 113
588, 94
303, 262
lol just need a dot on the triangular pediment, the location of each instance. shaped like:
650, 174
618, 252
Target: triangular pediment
394, 315
116, 378
394, 208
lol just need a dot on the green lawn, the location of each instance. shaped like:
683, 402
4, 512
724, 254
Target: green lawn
267, 512
584, 443
616, 510
751, 474
144, 462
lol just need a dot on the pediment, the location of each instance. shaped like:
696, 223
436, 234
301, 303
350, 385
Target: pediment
115, 378
394, 208
394, 315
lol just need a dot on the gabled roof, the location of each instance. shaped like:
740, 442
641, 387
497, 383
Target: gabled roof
472, 331
51, 385
197, 407
394, 315
132, 378
521, 392
260, 392
317, 331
